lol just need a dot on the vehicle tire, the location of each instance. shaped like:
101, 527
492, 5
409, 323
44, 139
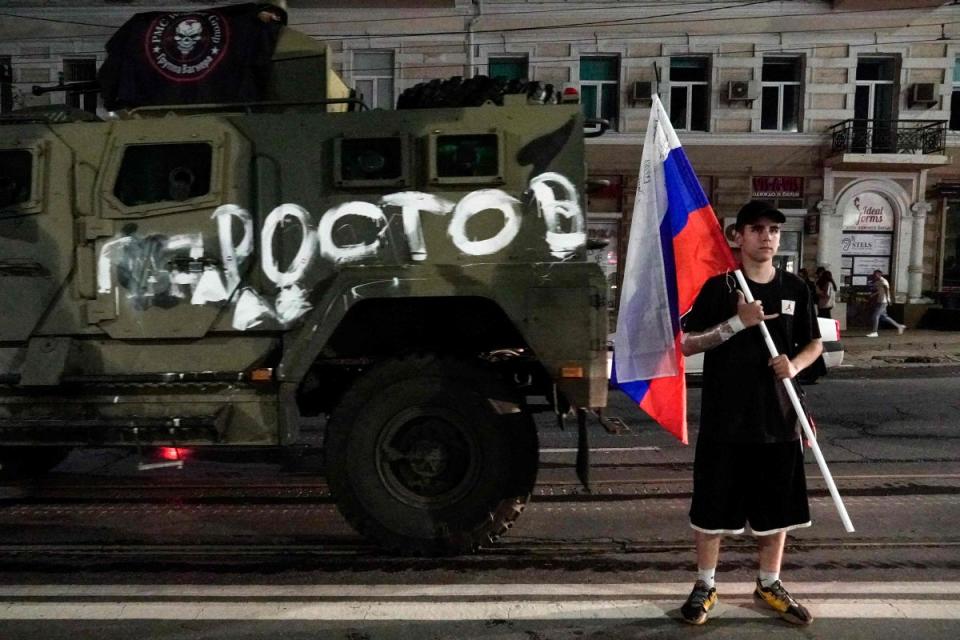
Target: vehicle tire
458, 92
28, 462
431, 456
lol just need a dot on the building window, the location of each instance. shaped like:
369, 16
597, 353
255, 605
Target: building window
951, 248
875, 99
955, 97
690, 94
81, 70
600, 88
507, 68
780, 100
6, 85
373, 78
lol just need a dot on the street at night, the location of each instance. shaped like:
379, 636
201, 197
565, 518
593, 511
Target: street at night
479, 319
168, 553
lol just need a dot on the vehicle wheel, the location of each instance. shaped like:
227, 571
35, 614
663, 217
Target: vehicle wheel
29, 462
429, 455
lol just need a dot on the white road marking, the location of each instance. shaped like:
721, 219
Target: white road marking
847, 600
451, 611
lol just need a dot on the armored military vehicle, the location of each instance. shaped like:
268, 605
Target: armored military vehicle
208, 273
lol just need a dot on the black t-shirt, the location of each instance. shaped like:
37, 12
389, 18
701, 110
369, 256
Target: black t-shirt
742, 399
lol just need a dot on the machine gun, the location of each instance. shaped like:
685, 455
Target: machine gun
81, 86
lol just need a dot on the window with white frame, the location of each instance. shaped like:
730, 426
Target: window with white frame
600, 88
373, 78
781, 81
81, 70
690, 93
955, 97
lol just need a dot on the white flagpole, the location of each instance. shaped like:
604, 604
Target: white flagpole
801, 414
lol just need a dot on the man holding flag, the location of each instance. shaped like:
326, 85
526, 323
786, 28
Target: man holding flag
748, 465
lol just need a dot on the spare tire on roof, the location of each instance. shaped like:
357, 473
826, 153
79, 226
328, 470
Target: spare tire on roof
472, 92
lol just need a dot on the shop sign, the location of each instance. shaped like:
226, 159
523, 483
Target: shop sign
866, 244
777, 186
865, 266
868, 212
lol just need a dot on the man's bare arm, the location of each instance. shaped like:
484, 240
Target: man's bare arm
699, 341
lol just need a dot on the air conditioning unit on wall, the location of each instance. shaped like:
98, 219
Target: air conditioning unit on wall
642, 90
924, 93
743, 90
729, 230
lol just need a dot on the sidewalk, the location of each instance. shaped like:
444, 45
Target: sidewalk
915, 348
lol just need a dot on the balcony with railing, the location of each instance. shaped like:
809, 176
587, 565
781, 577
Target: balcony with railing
904, 143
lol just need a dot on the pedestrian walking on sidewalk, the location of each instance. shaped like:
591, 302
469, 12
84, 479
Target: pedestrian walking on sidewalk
879, 299
748, 465
826, 294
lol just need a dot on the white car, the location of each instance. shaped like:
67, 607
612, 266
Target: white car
832, 353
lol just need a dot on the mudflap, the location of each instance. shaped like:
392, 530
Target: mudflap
583, 450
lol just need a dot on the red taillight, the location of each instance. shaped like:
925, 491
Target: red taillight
570, 93
173, 453
837, 323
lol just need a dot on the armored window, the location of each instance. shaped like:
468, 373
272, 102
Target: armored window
600, 88
373, 78
81, 70
152, 173
471, 157
781, 94
507, 68
370, 161
16, 171
690, 93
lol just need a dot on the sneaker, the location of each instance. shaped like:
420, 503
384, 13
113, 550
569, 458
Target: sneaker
701, 600
901, 329
873, 334
778, 599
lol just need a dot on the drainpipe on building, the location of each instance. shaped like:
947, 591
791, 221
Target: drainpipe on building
477, 10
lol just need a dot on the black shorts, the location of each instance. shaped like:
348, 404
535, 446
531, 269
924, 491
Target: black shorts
760, 484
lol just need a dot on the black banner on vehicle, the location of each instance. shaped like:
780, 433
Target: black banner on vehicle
209, 56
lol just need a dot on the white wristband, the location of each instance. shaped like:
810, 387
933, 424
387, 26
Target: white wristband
736, 324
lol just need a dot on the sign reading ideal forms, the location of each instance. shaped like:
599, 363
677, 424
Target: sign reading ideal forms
868, 212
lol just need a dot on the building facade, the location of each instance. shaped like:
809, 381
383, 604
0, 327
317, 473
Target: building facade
845, 113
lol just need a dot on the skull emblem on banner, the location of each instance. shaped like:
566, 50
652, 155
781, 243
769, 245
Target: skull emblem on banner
187, 35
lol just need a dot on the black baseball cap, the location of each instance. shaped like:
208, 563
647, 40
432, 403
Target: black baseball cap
756, 209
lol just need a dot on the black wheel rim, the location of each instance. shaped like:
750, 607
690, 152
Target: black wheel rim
428, 457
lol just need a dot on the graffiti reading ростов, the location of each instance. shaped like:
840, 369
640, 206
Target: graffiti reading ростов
165, 270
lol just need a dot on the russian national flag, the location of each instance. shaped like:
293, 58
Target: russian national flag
675, 245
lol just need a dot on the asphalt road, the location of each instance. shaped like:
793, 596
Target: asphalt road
250, 549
